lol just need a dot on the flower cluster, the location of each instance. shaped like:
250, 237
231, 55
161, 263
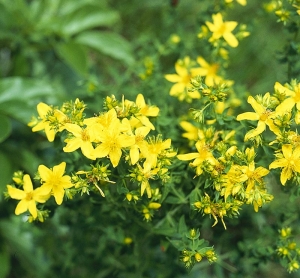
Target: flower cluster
118, 136
278, 113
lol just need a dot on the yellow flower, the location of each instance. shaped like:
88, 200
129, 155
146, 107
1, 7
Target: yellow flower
254, 175
292, 100
262, 114
155, 148
54, 181
139, 136
112, 142
48, 117
204, 153
28, 197
145, 111
103, 121
82, 138
241, 2
146, 174
182, 80
191, 131
290, 162
222, 29
207, 70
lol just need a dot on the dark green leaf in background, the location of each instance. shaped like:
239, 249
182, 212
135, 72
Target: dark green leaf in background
74, 55
107, 43
5, 127
87, 18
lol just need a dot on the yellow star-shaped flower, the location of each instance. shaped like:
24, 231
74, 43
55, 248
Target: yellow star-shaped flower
222, 29
28, 197
262, 114
54, 181
290, 162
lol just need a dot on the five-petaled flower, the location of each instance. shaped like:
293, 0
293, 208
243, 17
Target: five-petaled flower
54, 181
28, 197
289, 161
182, 78
222, 29
262, 114
204, 153
51, 120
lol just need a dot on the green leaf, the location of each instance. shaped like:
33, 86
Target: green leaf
74, 55
107, 43
18, 110
178, 244
5, 127
23, 89
87, 18
5, 264
6, 172
182, 228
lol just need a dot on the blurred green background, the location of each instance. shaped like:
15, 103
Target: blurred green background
58, 50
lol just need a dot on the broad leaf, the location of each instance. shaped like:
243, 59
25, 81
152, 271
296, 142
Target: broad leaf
107, 43
5, 127
87, 18
74, 55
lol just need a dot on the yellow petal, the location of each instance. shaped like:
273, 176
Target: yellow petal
15, 193
283, 90
58, 194
27, 184
286, 174
126, 141
202, 62
21, 207
115, 156
248, 116
59, 170
43, 109
231, 39
230, 25
72, 144
88, 150
188, 156
134, 154
76, 130
258, 108
32, 208
140, 101
177, 89
281, 162
287, 150
50, 133
182, 71
173, 78
101, 151
45, 173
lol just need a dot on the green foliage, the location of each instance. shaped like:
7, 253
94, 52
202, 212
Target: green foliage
162, 215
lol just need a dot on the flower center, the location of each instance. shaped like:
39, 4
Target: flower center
29, 196
85, 136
